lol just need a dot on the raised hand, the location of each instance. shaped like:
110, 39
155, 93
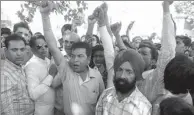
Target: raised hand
91, 20
116, 28
104, 6
166, 5
99, 16
46, 7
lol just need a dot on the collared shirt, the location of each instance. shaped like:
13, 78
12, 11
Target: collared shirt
14, 95
84, 96
39, 82
152, 86
135, 104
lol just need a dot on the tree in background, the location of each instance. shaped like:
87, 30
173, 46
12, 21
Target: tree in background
62, 7
187, 8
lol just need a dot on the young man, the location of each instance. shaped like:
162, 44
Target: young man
22, 29
125, 98
15, 99
182, 44
176, 81
81, 85
38, 77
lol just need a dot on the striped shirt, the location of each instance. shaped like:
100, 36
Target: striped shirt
14, 95
135, 104
80, 97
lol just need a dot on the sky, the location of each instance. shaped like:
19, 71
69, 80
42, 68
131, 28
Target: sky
146, 14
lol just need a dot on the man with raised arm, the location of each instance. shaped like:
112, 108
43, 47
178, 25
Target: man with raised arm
81, 85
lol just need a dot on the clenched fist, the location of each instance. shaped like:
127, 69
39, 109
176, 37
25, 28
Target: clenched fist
99, 16
116, 28
46, 7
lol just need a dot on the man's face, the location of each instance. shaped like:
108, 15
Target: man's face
16, 51
124, 80
79, 60
92, 41
180, 46
146, 55
98, 58
5, 35
24, 33
136, 43
124, 38
68, 41
40, 49
192, 50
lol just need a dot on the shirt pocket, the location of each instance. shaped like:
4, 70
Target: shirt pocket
92, 95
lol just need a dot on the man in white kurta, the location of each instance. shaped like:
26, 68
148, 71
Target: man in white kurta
39, 80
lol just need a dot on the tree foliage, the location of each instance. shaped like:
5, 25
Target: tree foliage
28, 9
185, 7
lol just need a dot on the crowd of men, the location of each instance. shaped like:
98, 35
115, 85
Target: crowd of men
97, 75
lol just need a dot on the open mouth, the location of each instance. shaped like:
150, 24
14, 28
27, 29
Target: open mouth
75, 65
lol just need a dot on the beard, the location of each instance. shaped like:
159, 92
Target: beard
124, 86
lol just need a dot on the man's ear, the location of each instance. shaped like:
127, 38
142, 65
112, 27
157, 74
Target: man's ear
89, 59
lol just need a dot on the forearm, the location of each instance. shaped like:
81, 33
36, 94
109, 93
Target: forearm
89, 32
38, 89
108, 53
120, 43
50, 39
108, 47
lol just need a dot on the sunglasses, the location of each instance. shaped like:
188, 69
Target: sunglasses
41, 46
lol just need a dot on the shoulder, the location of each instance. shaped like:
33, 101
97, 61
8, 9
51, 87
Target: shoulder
142, 99
107, 92
95, 73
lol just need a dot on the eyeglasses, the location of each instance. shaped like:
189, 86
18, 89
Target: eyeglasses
41, 46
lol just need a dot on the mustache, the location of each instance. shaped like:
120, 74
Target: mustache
123, 85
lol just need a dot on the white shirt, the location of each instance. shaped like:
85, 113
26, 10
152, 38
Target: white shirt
39, 82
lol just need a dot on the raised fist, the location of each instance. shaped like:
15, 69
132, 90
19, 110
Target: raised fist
104, 6
91, 19
116, 28
99, 16
46, 7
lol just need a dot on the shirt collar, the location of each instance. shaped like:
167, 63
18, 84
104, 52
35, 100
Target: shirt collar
12, 65
129, 98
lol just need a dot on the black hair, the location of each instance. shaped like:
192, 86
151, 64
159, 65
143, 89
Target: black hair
95, 49
82, 45
175, 106
13, 37
186, 40
34, 38
67, 27
5, 31
176, 74
22, 25
125, 36
154, 52
97, 38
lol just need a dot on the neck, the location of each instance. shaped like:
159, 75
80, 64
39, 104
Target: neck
84, 74
122, 96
